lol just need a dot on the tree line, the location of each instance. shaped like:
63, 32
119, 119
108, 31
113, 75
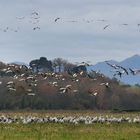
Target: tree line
49, 77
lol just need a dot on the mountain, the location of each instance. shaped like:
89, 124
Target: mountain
131, 62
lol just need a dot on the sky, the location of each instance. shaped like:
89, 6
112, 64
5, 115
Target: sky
77, 36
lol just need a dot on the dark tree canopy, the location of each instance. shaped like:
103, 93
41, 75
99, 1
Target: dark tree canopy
78, 69
41, 64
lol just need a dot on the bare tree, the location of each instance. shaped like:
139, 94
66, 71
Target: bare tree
62, 65
2, 65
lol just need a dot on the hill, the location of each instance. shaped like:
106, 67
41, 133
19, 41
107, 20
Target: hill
21, 88
131, 62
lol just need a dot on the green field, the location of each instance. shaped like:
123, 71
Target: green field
58, 131
54, 131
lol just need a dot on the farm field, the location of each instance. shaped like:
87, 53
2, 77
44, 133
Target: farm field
69, 131
53, 131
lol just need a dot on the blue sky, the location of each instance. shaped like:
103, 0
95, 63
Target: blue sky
75, 41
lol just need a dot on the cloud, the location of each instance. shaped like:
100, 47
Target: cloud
74, 41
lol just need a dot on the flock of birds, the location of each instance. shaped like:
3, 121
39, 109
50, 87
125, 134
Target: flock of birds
68, 119
34, 19
23, 77
28, 81
119, 70
92, 21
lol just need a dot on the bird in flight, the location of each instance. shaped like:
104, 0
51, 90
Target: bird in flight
20, 18
125, 24
72, 21
35, 13
5, 30
119, 73
106, 84
124, 70
112, 65
35, 28
106, 26
102, 20
134, 71
56, 19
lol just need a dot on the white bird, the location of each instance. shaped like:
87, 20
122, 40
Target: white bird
12, 89
10, 82
63, 90
31, 94
54, 83
124, 70
74, 75
106, 84
112, 65
95, 93
134, 71
68, 86
75, 91
29, 90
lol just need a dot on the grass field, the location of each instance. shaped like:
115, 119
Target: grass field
58, 131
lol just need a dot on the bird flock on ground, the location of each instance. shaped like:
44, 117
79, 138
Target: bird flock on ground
28, 119
34, 19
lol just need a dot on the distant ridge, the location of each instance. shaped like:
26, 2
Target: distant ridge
19, 63
131, 62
